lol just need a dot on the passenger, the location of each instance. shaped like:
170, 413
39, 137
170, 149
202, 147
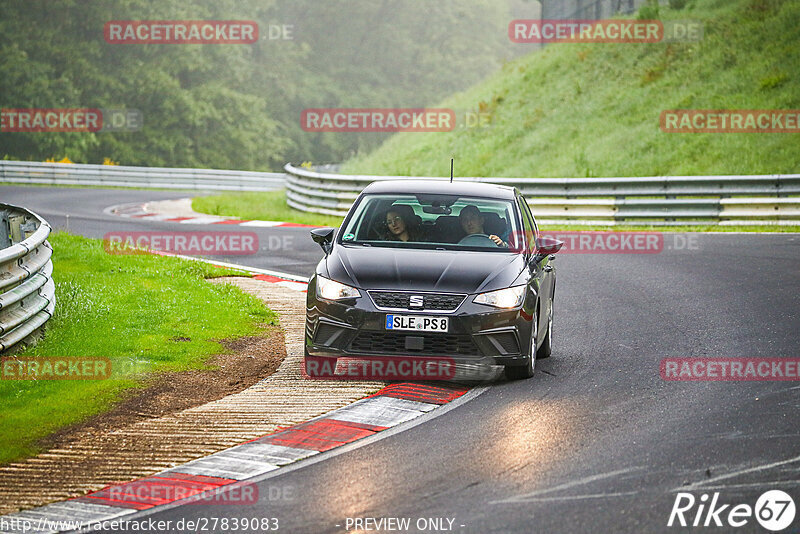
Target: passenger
472, 223
401, 223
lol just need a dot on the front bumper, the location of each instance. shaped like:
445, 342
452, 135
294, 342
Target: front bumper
477, 334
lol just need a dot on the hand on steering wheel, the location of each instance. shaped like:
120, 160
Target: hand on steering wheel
497, 241
471, 237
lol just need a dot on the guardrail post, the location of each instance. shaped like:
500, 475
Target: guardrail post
15, 228
27, 228
5, 230
670, 197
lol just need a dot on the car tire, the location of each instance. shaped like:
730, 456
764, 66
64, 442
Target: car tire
547, 345
521, 372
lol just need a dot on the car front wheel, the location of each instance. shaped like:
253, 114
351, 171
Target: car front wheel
547, 345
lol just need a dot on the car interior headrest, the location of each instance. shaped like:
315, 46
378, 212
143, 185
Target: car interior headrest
493, 223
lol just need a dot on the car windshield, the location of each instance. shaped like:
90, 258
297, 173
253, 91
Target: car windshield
448, 222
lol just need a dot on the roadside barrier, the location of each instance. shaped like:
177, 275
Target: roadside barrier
27, 291
660, 201
29, 172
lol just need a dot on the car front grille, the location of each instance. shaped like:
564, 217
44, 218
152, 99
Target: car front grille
433, 344
401, 300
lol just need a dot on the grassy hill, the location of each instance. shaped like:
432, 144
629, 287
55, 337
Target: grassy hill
578, 110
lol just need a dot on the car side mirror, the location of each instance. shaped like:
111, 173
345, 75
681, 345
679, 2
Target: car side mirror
324, 238
548, 245
545, 246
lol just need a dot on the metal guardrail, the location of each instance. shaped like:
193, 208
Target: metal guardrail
554, 200
27, 172
595, 200
27, 291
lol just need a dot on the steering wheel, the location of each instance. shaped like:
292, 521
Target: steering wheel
477, 240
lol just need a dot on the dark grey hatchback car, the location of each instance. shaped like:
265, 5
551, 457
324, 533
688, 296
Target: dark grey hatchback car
426, 269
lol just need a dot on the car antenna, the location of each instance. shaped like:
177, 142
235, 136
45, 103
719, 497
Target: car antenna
451, 170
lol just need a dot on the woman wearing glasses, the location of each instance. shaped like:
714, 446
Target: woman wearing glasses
402, 224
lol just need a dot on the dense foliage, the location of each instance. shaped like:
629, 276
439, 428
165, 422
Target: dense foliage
238, 106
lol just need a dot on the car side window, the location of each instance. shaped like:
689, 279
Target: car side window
530, 214
528, 225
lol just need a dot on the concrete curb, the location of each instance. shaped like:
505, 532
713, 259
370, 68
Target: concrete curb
97, 460
228, 469
199, 479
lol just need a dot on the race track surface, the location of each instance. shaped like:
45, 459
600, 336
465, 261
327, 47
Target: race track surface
596, 441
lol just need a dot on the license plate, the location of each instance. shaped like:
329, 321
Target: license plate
417, 323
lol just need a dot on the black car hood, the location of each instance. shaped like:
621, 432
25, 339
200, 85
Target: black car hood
423, 270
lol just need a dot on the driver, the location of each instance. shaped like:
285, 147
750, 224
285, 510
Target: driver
472, 223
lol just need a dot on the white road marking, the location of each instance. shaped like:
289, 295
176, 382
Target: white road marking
154, 217
568, 497
755, 484
580, 482
737, 473
202, 220
261, 224
297, 286
380, 411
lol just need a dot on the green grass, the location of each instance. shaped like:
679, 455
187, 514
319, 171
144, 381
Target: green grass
131, 309
583, 110
269, 206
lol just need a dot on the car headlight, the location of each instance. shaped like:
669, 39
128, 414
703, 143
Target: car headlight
333, 290
503, 298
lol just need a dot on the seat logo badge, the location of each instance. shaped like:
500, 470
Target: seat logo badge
416, 301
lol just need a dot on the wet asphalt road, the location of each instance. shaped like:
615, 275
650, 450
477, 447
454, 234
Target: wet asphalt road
286, 249
596, 441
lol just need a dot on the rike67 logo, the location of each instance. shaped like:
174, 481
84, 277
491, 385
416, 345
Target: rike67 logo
774, 510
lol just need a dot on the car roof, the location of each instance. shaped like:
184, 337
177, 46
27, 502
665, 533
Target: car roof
444, 187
